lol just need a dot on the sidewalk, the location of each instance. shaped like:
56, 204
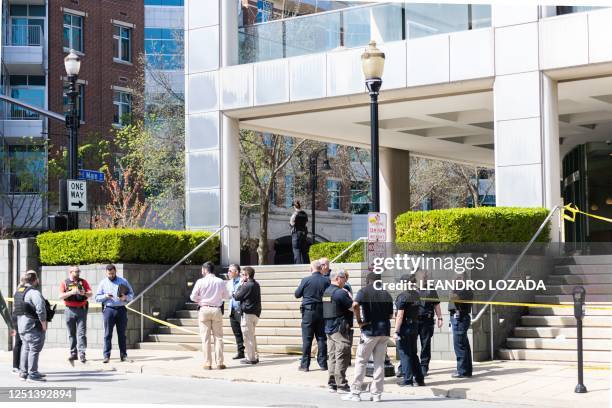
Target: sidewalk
543, 384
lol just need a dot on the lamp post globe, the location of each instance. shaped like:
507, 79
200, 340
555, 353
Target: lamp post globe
72, 64
373, 66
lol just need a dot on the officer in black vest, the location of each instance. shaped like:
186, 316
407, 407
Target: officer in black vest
299, 233
311, 291
460, 323
428, 310
338, 315
406, 332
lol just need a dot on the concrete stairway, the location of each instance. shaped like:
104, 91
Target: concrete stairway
278, 330
549, 333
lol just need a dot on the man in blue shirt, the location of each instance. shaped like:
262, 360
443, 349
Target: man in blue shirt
114, 293
233, 273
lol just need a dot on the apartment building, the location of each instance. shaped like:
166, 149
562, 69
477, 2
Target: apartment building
36, 36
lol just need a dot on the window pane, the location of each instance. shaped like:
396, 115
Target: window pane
125, 50
36, 80
76, 39
37, 11
67, 19
66, 37
19, 10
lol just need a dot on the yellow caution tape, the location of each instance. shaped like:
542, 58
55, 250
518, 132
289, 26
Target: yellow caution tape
61, 303
573, 209
478, 302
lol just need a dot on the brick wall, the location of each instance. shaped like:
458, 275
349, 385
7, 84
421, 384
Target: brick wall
97, 66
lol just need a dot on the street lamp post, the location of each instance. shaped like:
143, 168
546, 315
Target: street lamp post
314, 161
72, 63
373, 64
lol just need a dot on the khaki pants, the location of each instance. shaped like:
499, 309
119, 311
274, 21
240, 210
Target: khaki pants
247, 325
338, 357
210, 321
377, 347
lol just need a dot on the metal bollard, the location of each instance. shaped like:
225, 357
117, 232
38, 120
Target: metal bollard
579, 295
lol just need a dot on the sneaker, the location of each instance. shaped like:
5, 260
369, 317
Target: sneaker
376, 398
36, 378
344, 389
304, 369
351, 397
23, 377
15, 371
72, 357
83, 359
405, 383
106, 360
207, 366
332, 388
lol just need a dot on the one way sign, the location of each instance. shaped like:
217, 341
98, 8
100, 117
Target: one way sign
77, 195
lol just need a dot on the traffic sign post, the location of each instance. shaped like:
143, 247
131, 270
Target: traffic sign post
76, 195
377, 237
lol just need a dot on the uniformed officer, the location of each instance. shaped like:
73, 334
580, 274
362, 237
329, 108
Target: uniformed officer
426, 323
299, 232
406, 333
311, 291
460, 323
338, 315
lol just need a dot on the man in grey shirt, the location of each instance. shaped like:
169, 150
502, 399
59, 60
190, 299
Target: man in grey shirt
31, 312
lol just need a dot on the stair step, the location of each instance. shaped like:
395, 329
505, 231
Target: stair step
582, 269
260, 323
263, 348
261, 331
553, 355
286, 312
585, 260
192, 338
565, 332
568, 299
591, 289
566, 311
557, 344
579, 279
567, 321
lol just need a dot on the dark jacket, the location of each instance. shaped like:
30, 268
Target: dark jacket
249, 296
311, 288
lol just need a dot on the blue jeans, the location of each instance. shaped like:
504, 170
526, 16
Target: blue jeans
461, 343
115, 317
411, 366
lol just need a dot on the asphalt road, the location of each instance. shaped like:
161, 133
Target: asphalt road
118, 389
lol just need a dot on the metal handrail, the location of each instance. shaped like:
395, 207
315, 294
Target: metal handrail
348, 248
516, 262
183, 259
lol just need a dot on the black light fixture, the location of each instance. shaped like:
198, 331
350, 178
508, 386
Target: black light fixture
72, 64
373, 65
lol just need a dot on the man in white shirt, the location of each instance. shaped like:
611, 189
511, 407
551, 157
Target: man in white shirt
209, 293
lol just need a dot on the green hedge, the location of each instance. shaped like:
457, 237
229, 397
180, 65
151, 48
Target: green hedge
471, 225
333, 249
124, 245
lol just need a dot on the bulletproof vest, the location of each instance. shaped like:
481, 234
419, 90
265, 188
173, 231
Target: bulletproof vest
301, 219
71, 285
331, 309
20, 306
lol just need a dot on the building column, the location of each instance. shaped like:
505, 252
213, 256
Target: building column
527, 160
211, 139
394, 186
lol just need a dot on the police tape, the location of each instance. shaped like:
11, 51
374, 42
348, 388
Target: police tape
61, 303
573, 209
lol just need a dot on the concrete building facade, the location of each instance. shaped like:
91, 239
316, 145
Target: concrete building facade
514, 87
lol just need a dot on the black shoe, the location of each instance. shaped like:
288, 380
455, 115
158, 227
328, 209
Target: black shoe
421, 383
123, 358
238, 356
83, 359
405, 383
332, 388
304, 369
73, 357
399, 374
425, 372
344, 389
324, 368
457, 375
106, 360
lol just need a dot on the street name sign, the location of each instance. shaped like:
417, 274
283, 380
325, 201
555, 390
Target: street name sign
91, 175
77, 195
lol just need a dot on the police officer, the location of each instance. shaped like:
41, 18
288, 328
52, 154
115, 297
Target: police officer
338, 315
32, 315
311, 291
299, 232
406, 332
460, 323
426, 323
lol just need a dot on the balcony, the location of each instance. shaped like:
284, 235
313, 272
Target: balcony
23, 50
354, 27
19, 124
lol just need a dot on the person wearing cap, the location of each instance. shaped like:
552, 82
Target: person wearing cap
75, 292
114, 292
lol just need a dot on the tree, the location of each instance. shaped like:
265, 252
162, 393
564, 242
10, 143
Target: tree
263, 157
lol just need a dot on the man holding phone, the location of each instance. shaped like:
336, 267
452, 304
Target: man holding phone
114, 293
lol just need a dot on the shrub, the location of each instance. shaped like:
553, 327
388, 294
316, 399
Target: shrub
333, 249
124, 245
472, 225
